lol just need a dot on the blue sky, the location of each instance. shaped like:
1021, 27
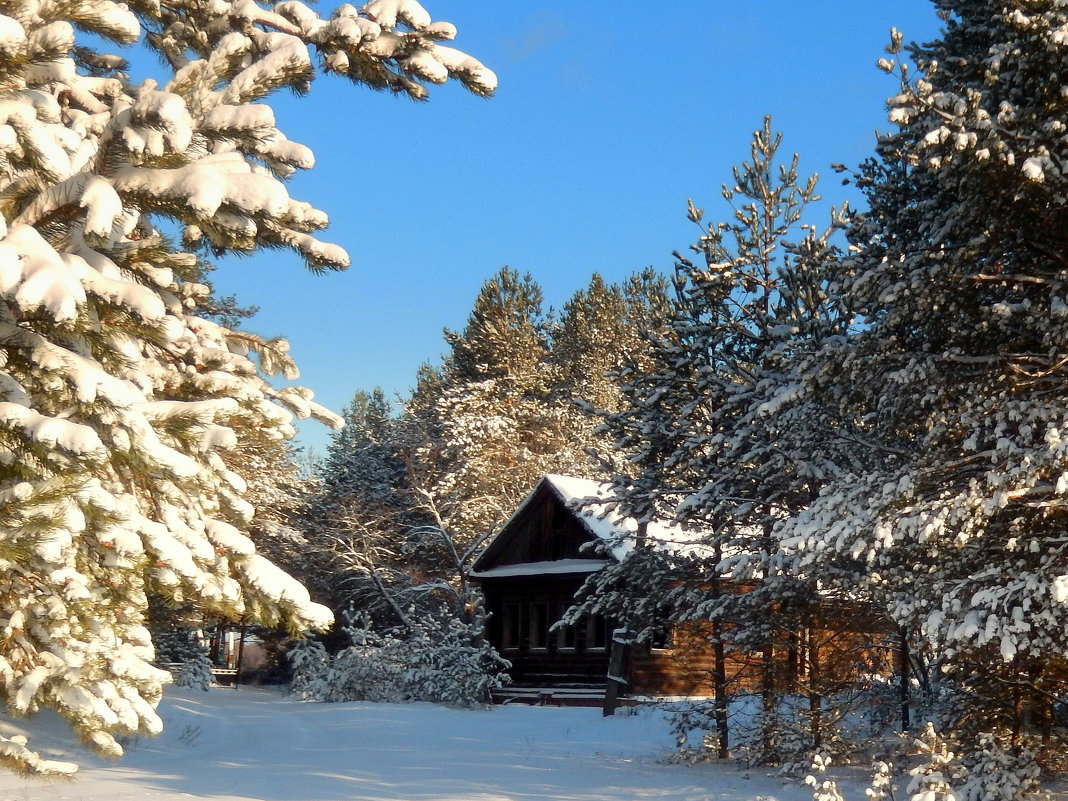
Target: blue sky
608, 117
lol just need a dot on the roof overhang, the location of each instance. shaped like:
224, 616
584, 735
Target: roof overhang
554, 568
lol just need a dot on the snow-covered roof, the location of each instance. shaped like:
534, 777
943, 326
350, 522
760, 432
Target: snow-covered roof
587, 500
583, 494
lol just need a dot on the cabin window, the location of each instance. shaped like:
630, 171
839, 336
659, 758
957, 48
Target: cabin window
566, 638
663, 635
663, 638
539, 625
510, 626
596, 633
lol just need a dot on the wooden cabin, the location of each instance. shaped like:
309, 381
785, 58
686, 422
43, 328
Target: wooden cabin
531, 571
529, 575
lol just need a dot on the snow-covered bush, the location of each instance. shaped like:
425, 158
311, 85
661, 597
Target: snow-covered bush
997, 774
194, 672
308, 663
822, 789
931, 779
882, 784
449, 663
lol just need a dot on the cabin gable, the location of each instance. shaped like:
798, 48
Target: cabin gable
543, 530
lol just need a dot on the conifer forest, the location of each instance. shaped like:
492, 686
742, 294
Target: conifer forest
858, 419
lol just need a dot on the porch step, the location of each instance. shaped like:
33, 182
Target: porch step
577, 695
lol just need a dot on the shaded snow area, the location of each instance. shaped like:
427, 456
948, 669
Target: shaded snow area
257, 744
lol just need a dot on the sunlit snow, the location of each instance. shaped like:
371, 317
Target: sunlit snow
240, 745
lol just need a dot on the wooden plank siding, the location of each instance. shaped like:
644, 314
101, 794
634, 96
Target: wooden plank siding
846, 653
544, 530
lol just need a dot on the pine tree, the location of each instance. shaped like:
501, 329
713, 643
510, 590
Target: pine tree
505, 338
755, 304
959, 374
362, 458
723, 437
118, 398
603, 332
359, 522
604, 329
490, 434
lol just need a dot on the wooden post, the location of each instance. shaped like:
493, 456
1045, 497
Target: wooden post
240, 653
618, 670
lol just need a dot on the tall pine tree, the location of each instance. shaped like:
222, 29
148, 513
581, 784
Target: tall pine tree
604, 331
490, 434
959, 374
723, 437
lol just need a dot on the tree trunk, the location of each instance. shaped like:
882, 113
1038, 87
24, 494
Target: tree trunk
815, 699
1040, 707
768, 696
240, 653
904, 659
719, 668
217, 653
767, 667
719, 680
1017, 704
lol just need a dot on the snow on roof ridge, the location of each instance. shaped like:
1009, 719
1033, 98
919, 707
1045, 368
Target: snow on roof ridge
611, 527
592, 487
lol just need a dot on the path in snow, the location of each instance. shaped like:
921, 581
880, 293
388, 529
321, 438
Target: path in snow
236, 745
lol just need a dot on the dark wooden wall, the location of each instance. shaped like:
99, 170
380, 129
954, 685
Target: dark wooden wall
561, 659
545, 531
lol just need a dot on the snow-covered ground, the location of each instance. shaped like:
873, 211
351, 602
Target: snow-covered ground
245, 744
